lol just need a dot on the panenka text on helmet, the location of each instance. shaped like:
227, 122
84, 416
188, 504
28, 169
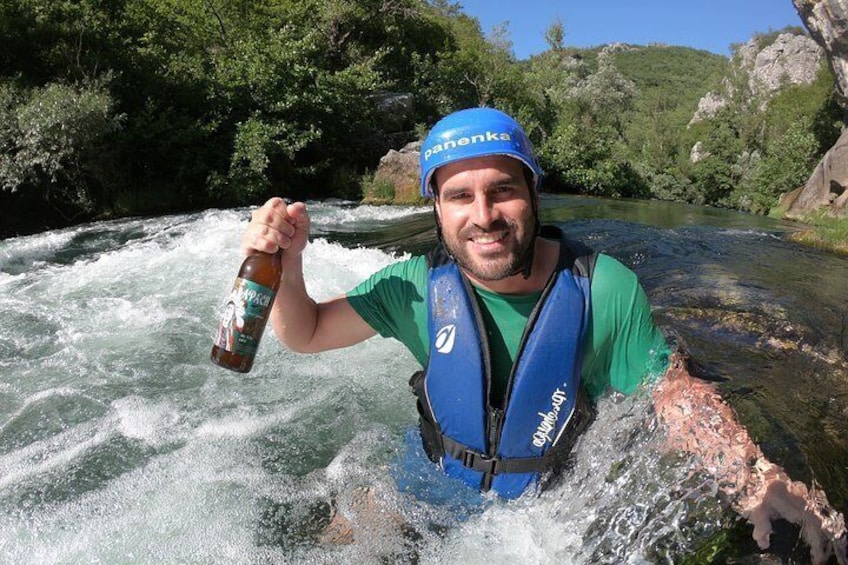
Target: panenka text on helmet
477, 138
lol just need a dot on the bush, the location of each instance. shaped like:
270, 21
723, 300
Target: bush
786, 166
589, 161
670, 186
377, 189
50, 139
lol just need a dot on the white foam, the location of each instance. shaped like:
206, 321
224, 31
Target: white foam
154, 424
193, 456
328, 216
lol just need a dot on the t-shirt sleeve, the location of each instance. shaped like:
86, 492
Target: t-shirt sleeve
392, 302
624, 347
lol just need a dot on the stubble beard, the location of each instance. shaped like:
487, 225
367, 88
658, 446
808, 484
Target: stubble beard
495, 268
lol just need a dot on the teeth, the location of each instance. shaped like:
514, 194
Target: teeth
484, 239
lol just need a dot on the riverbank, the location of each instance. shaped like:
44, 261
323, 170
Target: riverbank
826, 233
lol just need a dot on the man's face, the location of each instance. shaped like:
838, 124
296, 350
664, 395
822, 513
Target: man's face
486, 215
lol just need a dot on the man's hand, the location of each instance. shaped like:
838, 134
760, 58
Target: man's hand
277, 225
701, 423
301, 323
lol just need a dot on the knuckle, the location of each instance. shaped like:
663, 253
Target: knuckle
276, 203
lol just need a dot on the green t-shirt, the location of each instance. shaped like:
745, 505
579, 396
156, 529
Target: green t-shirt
623, 346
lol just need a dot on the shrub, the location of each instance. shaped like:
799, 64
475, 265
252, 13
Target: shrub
377, 189
50, 139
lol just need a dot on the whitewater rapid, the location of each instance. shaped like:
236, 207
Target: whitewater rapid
121, 443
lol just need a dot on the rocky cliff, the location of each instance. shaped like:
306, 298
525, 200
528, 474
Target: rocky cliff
762, 70
827, 22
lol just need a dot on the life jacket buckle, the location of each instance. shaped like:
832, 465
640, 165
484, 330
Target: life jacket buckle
479, 462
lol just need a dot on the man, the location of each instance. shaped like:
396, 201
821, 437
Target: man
517, 328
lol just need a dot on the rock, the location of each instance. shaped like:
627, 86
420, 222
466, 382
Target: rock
395, 109
618, 47
826, 187
698, 153
708, 106
400, 171
827, 22
790, 59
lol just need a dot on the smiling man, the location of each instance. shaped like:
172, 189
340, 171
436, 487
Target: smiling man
518, 329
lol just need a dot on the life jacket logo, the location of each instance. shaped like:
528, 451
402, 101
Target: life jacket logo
445, 338
549, 419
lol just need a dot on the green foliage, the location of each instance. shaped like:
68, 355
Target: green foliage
826, 232
786, 165
669, 82
377, 189
757, 154
555, 35
671, 185
766, 39
49, 138
715, 176
586, 161
815, 105
149, 106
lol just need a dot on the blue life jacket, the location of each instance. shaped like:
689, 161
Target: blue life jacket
522, 445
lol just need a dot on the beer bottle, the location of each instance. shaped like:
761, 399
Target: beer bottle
245, 312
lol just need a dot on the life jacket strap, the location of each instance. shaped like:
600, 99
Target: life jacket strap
481, 462
437, 444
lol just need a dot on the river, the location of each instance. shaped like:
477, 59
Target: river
121, 443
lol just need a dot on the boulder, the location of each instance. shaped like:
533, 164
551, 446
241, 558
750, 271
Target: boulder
826, 187
400, 171
827, 22
698, 153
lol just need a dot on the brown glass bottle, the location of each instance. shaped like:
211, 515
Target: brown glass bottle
245, 312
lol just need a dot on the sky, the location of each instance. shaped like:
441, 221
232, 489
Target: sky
711, 25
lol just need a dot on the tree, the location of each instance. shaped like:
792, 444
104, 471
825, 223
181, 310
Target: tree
50, 139
555, 35
785, 166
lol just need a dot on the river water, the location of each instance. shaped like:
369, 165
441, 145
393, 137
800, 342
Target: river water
121, 443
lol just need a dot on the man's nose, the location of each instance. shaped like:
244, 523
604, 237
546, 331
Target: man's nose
483, 212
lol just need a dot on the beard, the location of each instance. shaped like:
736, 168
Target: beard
498, 266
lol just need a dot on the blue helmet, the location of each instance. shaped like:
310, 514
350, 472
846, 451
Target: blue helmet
475, 132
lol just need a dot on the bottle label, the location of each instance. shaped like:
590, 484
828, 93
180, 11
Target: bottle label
243, 316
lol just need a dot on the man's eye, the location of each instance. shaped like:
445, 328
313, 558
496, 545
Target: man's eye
504, 190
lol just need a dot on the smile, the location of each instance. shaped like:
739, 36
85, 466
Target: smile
488, 238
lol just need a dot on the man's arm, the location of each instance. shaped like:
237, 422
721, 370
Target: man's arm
701, 423
302, 324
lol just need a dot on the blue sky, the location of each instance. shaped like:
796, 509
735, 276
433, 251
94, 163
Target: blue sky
711, 25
